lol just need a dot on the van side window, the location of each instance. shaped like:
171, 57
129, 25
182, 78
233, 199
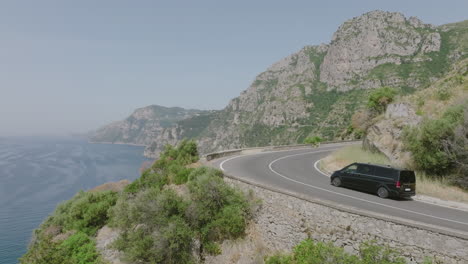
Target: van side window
364, 169
385, 172
351, 168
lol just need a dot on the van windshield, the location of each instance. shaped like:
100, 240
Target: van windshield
407, 177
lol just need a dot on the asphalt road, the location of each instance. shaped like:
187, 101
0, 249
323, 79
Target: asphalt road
294, 171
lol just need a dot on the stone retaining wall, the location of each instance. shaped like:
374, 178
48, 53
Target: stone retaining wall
282, 221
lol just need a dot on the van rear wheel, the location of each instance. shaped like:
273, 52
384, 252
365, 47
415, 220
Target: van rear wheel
336, 182
382, 192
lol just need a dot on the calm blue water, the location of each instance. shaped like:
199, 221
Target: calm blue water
37, 174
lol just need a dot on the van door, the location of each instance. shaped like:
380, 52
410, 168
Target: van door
364, 179
407, 181
347, 174
385, 176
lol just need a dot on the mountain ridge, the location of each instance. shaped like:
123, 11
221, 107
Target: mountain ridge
142, 126
316, 90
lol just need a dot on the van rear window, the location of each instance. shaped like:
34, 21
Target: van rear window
407, 177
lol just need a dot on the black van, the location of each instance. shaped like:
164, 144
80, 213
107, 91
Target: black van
383, 180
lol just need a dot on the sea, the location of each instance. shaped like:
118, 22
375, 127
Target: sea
37, 173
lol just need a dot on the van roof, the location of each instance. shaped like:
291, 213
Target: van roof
381, 165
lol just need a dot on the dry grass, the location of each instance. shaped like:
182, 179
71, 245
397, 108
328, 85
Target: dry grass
425, 185
439, 188
111, 186
347, 155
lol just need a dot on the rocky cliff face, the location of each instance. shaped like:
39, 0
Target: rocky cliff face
316, 90
143, 126
386, 134
363, 43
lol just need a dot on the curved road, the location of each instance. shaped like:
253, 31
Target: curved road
294, 171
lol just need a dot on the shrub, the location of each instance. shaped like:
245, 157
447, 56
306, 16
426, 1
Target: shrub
457, 148
279, 259
212, 248
148, 179
310, 252
218, 211
361, 120
76, 249
430, 142
372, 253
80, 249
214, 213
443, 94
154, 229
169, 168
85, 212
315, 140
185, 153
380, 98
150, 207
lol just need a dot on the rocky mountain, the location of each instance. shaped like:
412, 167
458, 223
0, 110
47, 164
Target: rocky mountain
316, 90
143, 126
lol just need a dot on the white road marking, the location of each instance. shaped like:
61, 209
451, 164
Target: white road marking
222, 163
319, 170
349, 196
268, 152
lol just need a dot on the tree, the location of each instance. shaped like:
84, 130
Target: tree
380, 98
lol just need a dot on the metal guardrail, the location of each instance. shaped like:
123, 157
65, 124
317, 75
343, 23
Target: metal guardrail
232, 152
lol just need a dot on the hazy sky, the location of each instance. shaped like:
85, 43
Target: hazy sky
72, 66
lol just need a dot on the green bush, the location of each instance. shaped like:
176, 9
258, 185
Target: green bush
151, 207
80, 249
371, 253
148, 179
443, 94
153, 225
85, 212
169, 168
151, 217
218, 211
310, 252
76, 249
315, 140
212, 248
428, 142
380, 98
185, 153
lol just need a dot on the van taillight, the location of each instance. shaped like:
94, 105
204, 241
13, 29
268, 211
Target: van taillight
398, 184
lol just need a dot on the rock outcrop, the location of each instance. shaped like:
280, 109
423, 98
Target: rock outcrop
385, 136
373, 39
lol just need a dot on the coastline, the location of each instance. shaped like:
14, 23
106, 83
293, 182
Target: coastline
117, 143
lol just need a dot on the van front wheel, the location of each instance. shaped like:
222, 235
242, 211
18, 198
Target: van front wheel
336, 182
382, 192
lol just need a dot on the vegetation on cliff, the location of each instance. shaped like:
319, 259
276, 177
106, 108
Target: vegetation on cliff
425, 131
310, 252
157, 224
430, 126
